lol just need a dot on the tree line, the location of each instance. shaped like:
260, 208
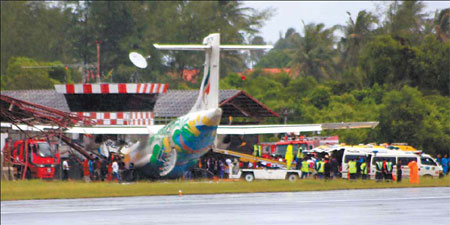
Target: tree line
390, 66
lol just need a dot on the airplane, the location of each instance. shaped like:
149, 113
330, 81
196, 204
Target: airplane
176, 147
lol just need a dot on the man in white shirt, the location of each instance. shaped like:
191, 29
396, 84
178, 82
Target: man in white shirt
66, 169
115, 170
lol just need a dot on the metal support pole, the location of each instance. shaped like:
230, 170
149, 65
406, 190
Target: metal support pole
25, 147
98, 60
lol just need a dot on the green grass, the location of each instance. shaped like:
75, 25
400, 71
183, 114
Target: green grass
39, 189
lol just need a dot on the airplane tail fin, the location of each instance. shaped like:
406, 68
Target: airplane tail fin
208, 97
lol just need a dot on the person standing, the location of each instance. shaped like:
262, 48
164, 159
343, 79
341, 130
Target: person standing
91, 164
230, 167
104, 169
110, 170
289, 156
399, 171
298, 158
327, 169
115, 170
439, 158
222, 168
384, 171
334, 166
352, 169
379, 171
445, 162
257, 150
66, 169
86, 175
389, 169
320, 168
311, 165
413, 172
364, 170
305, 168
358, 167
97, 168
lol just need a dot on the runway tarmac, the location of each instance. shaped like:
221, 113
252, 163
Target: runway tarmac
378, 206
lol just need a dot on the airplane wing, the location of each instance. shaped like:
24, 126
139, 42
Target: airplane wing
91, 130
267, 129
349, 125
291, 128
115, 130
222, 129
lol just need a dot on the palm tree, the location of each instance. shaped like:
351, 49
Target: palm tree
356, 34
406, 20
441, 24
313, 54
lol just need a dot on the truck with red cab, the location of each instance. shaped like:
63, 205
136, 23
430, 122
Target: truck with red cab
35, 158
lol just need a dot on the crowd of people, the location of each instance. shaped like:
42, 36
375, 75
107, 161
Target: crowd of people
444, 162
218, 166
97, 169
317, 166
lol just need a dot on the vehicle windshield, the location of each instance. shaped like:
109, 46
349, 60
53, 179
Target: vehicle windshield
427, 161
281, 149
45, 150
304, 147
406, 160
380, 159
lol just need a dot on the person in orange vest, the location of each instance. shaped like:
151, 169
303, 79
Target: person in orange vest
413, 172
86, 174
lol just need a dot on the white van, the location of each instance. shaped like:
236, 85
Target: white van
427, 165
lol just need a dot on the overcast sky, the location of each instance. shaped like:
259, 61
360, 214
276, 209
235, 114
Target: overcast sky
291, 13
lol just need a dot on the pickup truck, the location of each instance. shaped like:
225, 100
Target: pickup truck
267, 174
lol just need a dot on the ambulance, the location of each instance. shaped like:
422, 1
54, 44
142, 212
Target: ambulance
428, 167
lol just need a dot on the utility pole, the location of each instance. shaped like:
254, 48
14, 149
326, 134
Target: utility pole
98, 60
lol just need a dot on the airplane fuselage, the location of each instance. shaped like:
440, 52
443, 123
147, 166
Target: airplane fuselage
177, 147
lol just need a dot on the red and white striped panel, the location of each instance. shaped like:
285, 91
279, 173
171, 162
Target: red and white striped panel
112, 122
119, 118
141, 122
104, 115
139, 88
141, 115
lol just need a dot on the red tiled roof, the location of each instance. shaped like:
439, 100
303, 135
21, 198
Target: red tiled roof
188, 75
270, 70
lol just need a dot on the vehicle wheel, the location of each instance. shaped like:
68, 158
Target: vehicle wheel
292, 177
249, 177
